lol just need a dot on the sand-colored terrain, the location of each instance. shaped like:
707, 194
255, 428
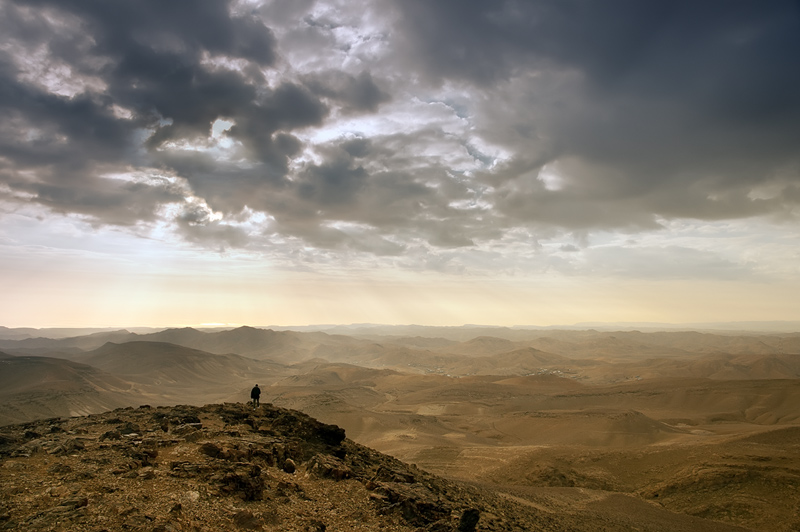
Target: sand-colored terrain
689, 425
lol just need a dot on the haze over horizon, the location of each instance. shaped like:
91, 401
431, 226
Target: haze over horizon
398, 161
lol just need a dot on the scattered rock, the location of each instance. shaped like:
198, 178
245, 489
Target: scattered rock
387, 474
245, 519
129, 428
29, 449
119, 475
111, 435
70, 446
414, 502
326, 466
315, 526
14, 465
146, 473
59, 469
211, 449
286, 488
187, 428
469, 520
74, 502
244, 481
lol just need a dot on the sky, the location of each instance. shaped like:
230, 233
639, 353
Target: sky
436, 162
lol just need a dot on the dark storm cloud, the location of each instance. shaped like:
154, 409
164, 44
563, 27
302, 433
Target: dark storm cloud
340, 188
112, 201
674, 109
506, 116
335, 182
152, 60
355, 198
146, 78
289, 106
485, 41
65, 143
650, 44
179, 27
40, 128
355, 93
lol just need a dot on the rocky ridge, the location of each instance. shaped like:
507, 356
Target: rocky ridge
227, 467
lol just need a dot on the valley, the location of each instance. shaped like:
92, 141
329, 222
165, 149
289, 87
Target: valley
696, 424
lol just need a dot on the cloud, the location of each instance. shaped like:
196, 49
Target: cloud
196, 224
354, 93
669, 262
648, 109
166, 73
401, 127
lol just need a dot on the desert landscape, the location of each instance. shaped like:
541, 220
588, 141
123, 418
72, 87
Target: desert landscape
495, 266
662, 430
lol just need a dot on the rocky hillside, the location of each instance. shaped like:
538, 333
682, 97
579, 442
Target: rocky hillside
230, 468
225, 467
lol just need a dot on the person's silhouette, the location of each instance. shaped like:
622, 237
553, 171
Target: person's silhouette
255, 395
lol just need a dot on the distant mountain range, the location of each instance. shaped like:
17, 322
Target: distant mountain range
461, 332
89, 373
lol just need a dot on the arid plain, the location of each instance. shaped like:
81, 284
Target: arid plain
676, 430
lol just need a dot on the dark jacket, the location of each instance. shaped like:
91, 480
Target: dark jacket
255, 393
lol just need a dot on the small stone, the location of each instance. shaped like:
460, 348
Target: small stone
150, 452
289, 466
111, 435
59, 469
243, 483
315, 526
183, 430
245, 519
69, 446
211, 449
194, 436
130, 428
326, 466
469, 520
74, 502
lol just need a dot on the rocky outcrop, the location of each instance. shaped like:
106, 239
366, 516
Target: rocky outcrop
224, 467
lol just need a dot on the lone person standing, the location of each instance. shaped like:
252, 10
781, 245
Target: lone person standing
255, 395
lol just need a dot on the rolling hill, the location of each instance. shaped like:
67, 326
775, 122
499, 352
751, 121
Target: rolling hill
43, 387
696, 422
174, 372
